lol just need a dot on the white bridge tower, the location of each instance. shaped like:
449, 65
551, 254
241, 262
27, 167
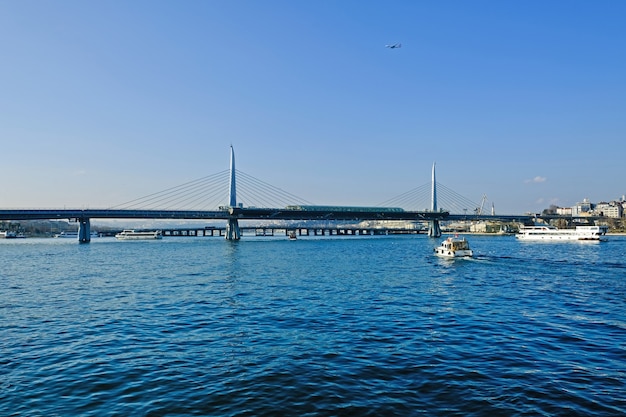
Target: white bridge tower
433, 225
232, 228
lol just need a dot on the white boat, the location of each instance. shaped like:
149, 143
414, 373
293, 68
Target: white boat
6, 234
139, 235
454, 247
74, 235
547, 232
292, 235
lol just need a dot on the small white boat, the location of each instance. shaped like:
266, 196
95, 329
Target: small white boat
454, 247
547, 232
292, 235
6, 234
139, 235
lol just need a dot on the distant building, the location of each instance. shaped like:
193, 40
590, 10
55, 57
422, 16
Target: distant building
613, 209
564, 211
582, 209
486, 227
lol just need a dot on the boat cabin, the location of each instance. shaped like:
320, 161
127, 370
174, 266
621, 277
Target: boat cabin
455, 244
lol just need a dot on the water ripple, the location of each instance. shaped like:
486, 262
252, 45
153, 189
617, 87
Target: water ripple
311, 328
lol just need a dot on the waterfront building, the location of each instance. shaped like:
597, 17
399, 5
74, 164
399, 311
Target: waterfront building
582, 209
613, 209
564, 211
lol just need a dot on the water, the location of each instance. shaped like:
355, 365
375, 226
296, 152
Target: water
328, 326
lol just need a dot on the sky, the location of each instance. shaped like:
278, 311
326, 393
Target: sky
522, 102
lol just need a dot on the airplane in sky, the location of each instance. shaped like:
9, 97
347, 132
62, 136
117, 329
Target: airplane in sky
394, 46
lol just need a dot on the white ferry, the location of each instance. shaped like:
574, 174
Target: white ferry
139, 235
454, 248
547, 232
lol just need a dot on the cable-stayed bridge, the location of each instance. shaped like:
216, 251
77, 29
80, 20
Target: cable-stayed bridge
232, 195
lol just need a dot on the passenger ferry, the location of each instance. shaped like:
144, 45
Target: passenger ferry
139, 235
454, 248
547, 232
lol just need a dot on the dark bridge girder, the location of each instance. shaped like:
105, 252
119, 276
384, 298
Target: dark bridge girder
240, 213
286, 214
51, 214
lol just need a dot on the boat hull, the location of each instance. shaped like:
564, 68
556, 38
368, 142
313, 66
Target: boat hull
445, 253
564, 238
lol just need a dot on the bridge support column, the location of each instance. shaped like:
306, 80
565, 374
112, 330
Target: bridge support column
84, 230
232, 230
433, 228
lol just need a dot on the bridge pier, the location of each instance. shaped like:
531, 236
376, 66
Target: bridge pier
232, 229
84, 230
433, 228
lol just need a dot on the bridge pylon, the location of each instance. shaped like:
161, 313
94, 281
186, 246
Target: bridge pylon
232, 228
84, 230
433, 225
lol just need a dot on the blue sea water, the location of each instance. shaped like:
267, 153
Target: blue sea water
368, 326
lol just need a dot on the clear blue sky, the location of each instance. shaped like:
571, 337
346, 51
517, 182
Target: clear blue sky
103, 102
